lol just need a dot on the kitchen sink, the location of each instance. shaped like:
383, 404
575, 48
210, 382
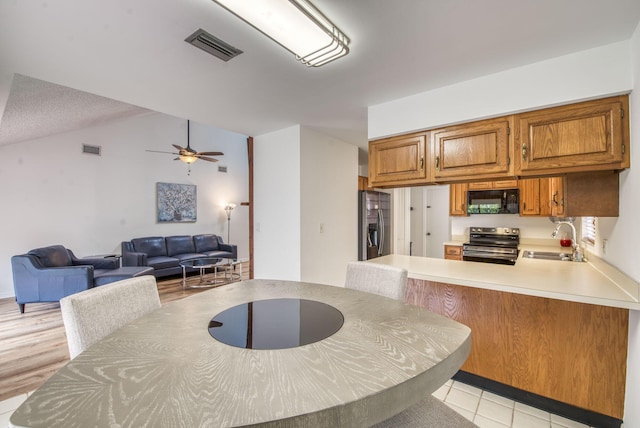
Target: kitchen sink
547, 255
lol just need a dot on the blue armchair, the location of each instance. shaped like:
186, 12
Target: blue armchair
50, 273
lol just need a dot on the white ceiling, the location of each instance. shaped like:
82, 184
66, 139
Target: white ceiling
134, 52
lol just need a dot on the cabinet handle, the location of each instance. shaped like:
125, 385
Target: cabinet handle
524, 152
555, 201
421, 162
437, 163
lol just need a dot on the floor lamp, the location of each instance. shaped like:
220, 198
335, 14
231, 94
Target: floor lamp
228, 208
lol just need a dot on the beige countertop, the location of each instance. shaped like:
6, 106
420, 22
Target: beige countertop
594, 282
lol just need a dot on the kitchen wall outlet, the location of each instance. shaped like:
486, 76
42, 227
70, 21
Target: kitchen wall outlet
321, 227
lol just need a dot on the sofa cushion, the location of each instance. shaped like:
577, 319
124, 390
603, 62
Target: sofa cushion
218, 254
52, 256
189, 256
205, 243
182, 244
162, 262
153, 246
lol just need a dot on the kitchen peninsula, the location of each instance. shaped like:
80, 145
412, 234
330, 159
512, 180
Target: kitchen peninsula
552, 328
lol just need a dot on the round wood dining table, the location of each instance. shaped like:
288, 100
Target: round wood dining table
166, 370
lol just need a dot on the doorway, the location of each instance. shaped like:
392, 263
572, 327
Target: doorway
430, 226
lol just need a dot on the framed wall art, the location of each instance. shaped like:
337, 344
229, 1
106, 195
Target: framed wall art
176, 203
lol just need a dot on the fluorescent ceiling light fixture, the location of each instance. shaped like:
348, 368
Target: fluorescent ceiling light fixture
296, 25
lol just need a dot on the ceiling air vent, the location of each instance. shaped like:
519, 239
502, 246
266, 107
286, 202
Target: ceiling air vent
213, 45
92, 150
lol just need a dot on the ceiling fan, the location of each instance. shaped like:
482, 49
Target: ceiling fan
188, 155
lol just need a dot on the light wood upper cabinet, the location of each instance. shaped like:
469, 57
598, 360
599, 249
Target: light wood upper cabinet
574, 195
458, 199
363, 183
530, 197
398, 161
471, 151
499, 184
587, 136
557, 196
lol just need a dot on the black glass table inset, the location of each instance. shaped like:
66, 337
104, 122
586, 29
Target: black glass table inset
275, 323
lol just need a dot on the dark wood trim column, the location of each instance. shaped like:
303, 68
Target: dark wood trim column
250, 159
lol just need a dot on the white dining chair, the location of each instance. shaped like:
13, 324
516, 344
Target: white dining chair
387, 281
429, 412
90, 315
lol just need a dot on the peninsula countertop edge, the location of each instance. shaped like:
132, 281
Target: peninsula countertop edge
592, 282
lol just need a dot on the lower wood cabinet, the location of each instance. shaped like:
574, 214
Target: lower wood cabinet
572, 352
453, 252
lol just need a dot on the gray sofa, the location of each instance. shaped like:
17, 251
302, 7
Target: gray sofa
164, 254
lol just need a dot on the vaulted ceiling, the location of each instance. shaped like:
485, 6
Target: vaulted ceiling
77, 62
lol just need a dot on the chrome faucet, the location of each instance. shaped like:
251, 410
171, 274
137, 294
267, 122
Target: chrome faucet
575, 256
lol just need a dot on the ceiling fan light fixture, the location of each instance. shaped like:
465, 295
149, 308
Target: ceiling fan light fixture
188, 158
297, 25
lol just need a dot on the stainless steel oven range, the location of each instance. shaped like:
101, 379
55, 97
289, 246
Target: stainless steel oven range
492, 245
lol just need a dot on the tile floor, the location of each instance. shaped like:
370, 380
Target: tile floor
485, 409
489, 410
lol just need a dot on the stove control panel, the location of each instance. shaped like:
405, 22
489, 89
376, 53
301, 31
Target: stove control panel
512, 231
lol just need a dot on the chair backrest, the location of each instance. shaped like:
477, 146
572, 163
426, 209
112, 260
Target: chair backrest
95, 313
52, 256
387, 281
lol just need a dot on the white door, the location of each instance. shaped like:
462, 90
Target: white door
417, 214
437, 229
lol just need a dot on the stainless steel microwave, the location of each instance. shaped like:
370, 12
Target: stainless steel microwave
493, 201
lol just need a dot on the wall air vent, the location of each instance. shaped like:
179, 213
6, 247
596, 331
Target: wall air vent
213, 45
222, 169
92, 150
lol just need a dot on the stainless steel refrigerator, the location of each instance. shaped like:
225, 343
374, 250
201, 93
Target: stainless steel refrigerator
374, 224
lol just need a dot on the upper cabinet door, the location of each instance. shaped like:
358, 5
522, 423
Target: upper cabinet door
398, 161
585, 136
471, 151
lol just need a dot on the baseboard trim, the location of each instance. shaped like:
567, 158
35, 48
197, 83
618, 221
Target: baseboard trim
568, 411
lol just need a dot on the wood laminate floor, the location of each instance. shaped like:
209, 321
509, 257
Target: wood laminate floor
33, 345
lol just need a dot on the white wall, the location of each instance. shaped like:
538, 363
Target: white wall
54, 194
531, 228
595, 73
624, 240
329, 170
277, 206
302, 179
583, 75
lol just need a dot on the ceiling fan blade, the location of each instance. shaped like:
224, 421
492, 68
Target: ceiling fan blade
211, 153
207, 159
178, 147
158, 151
